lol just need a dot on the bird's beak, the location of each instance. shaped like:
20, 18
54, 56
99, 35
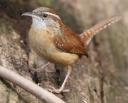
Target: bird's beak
31, 14
28, 14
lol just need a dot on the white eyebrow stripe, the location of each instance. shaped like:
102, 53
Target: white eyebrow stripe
52, 14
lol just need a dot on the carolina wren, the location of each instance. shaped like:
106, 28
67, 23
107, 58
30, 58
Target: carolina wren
49, 38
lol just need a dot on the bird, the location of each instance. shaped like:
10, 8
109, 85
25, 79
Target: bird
50, 39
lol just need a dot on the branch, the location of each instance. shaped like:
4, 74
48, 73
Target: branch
29, 86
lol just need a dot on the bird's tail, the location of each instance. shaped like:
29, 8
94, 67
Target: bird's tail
88, 35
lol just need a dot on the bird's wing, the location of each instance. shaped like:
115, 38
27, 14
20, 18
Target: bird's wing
68, 41
88, 35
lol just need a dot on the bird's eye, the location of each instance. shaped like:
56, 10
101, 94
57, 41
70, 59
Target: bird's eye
45, 15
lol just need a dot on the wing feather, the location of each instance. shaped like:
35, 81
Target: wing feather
68, 41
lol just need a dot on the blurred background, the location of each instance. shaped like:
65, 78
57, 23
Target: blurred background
100, 78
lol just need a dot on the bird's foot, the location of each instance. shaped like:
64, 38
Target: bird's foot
60, 90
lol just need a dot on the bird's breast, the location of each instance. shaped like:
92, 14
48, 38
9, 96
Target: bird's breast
41, 41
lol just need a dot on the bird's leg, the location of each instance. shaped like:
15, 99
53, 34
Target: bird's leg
61, 89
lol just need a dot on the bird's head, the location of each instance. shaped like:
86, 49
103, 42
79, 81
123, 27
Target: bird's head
43, 17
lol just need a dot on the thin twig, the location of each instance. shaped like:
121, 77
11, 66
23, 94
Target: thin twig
29, 86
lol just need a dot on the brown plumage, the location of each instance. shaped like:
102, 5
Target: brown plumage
69, 42
73, 43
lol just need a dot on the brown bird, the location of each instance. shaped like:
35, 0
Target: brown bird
50, 39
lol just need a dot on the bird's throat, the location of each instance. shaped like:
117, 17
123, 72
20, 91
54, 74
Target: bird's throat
38, 23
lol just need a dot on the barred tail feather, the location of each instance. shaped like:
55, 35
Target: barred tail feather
88, 35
